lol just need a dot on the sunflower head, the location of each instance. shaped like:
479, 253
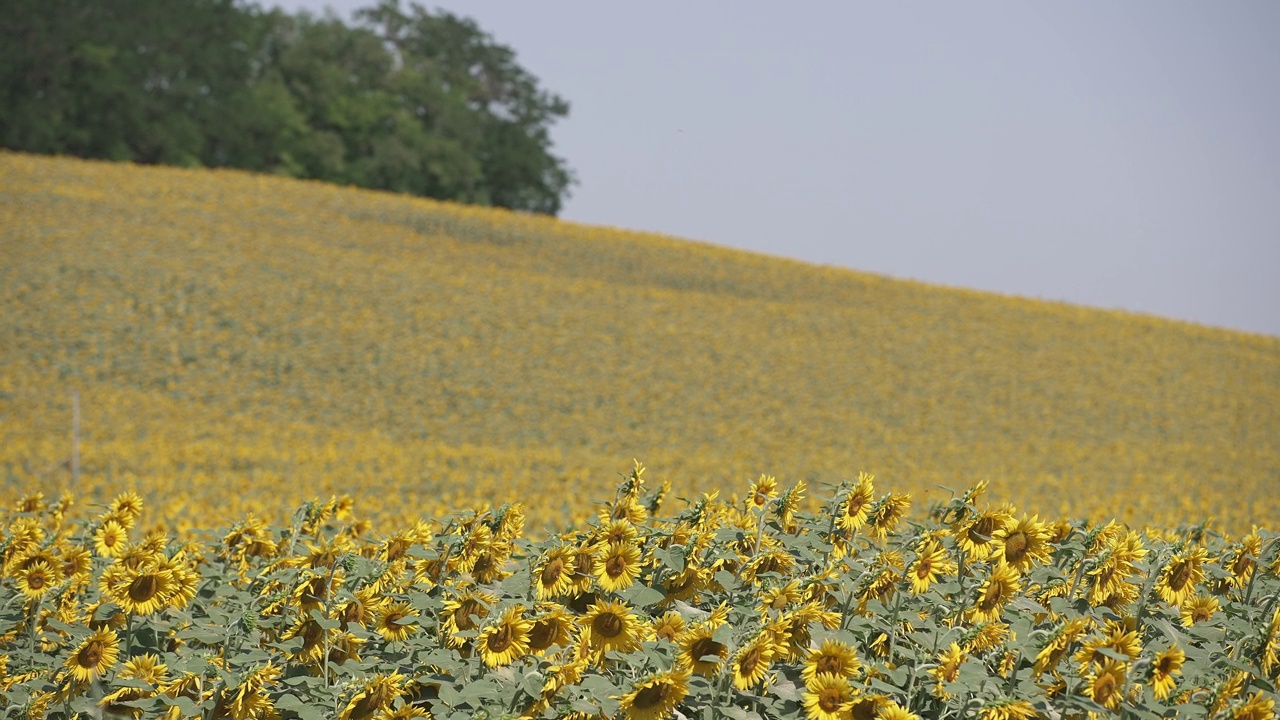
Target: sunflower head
506, 639
94, 656
657, 697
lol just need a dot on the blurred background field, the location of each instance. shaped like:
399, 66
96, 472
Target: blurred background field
243, 343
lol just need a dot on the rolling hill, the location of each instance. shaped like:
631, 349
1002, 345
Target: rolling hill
242, 343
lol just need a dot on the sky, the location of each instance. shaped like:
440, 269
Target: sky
1118, 155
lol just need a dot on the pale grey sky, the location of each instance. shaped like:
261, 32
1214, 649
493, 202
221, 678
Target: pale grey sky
1120, 155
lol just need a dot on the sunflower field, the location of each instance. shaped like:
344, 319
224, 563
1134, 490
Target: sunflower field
244, 343
748, 609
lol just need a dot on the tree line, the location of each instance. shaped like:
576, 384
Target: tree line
403, 99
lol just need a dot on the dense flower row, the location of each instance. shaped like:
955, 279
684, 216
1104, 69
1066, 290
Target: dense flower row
748, 608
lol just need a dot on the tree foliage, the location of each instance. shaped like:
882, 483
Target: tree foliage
406, 99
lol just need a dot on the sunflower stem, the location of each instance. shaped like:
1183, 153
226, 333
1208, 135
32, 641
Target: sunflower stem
35, 622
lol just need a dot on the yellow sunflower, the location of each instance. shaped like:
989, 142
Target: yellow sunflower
751, 662
1022, 544
553, 575
832, 657
657, 697
396, 621
1167, 664
854, 510
1104, 683
700, 650
611, 626
976, 537
947, 668
762, 492
111, 540
887, 513
1008, 709
828, 697
1179, 578
127, 505
553, 627
893, 711
1116, 637
1059, 644
669, 626
931, 565
1198, 609
585, 565
36, 579
998, 589
507, 639
619, 565
95, 656
141, 591
464, 612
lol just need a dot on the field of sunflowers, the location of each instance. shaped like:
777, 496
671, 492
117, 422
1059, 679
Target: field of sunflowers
273, 449
749, 609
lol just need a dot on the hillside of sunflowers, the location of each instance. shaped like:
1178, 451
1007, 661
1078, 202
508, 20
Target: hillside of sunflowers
276, 449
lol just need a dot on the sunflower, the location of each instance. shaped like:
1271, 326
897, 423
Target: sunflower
395, 621
1115, 637
1104, 683
552, 627
657, 697
127, 505
751, 662
762, 492
947, 668
697, 644
146, 667
463, 613
1179, 578
1167, 664
111, 539
779, 597
931, 564
507, 639
1008, 709
828, 697
619, 565
1257, 707
611, 626
1058, 645
141, 591
977, 536
585, 564
404, 712
1200, 608
996, 590
832, 657
857, 504
893, 711
887, 513
1022, 544
95, 656
553, 575
77, 562
36, 579
668, 627
683, 585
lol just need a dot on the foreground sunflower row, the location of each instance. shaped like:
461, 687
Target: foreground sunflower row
739, 608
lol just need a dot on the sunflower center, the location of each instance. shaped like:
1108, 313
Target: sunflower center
1200, 614
541, 635
143, 588
749, 661
854, 506
864, 710
463, 618
607, 625
35, 581
1015, 547
1165, 666
616, 566
1179, 574
312, 633
1103, 688
991, 598
500, 640
829, 700
393, 619
1243, 565
651, 697
582, 563
924, 568
704, 647
91, 655
830, 664
110, 539
552, 572
980, 531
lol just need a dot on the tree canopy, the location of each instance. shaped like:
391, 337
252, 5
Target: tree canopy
404, 99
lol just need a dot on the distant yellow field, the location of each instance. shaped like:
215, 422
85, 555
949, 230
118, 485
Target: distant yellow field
243, 343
